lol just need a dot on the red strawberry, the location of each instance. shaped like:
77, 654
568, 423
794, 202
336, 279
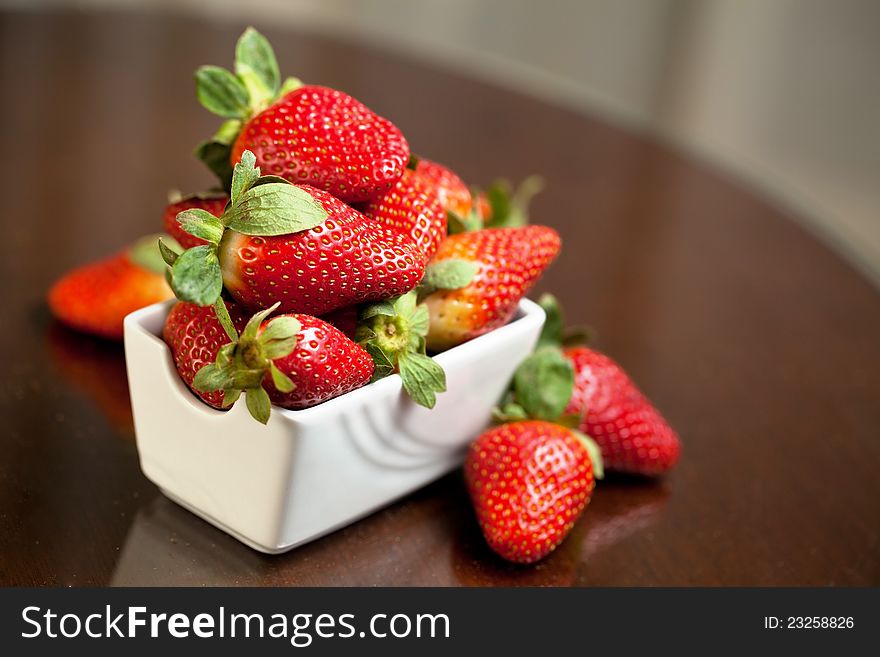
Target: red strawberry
327, 139
509, 260
345, 319
210, 203
414, 208
95, 298
345, 260
529, 482
632, 434
454, 194
294, 360
194, 336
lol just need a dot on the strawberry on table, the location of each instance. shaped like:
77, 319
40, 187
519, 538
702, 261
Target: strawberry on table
293, 360
633, 435
411, 207
214, 203
95, 298
508, 260
529, 482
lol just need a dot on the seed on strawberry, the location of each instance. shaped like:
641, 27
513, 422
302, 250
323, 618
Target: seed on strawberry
95, 298
411, 207
632, 434
195, 336
327, 139
510, 261
212, 203
293, 360
529, 482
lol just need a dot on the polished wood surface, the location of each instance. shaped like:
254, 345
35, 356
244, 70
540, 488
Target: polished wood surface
759, 344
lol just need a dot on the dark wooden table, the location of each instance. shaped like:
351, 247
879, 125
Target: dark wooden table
761, 346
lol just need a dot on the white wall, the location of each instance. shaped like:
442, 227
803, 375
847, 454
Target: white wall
784, 94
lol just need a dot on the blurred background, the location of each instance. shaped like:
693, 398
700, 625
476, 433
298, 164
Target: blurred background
782, 94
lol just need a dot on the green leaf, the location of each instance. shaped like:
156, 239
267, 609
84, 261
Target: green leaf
378, 308
510, 412
211, 378
244, 175
595, 453
413, 162
382, 364
169, 249
551, 334
422, 378
275, 209
257, 68
253, 326
511, 207
289, 84
420, 322
450, 274
146, 252
543, 384
456, 224
281, 380
201, 224
220, 92
230, 397
279, 337
405, 305
215, 156
258, 404
196, 277
222, 313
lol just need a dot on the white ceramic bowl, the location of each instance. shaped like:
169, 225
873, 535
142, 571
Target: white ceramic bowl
309, 472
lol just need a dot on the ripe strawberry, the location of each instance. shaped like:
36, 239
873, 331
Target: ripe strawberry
325, 138
412, 207
213, 203
95, 298
529, 482
296, 245
509, 260
294, 360
194, 335
454, 194
345, 260
632, 434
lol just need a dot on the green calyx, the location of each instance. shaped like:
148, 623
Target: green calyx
237, 96
449, 274
146, 254
241, 365
508, 206
543, 384
555, 333
258, 205
393, 333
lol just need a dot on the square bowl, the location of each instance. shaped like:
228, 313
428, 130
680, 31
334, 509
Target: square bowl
309, 472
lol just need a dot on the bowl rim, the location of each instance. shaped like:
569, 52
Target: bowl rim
136, 322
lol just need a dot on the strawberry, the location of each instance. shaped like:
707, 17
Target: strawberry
508, 262
454, 194
414, 208
293, 360
95, 298
327, 139
213, 203
194, 335
291, 244
632, 434
529, 482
